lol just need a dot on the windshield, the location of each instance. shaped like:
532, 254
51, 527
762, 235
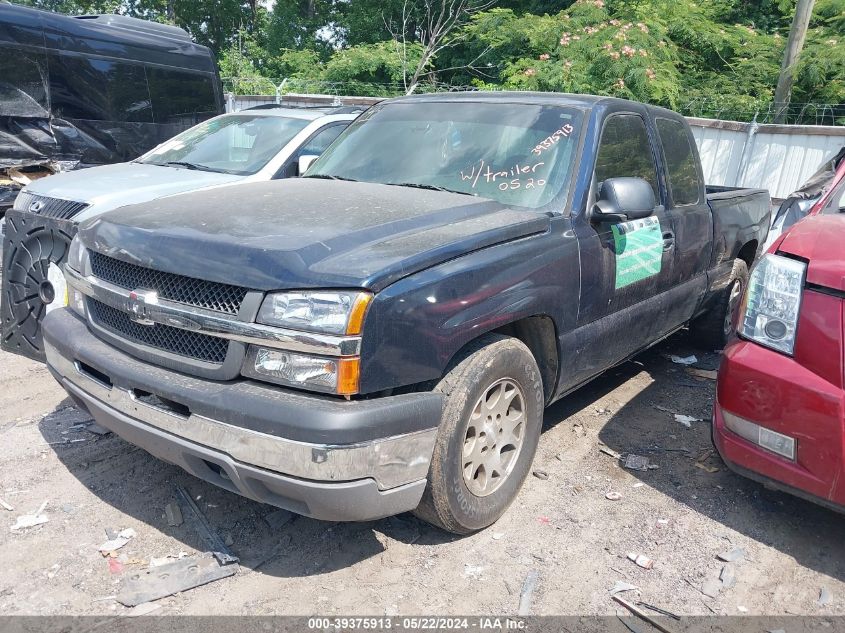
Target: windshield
238, 144
516, 154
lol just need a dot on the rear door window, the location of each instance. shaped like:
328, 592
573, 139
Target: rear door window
684, 183
625, 150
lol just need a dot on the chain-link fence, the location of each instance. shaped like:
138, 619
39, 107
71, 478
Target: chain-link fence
729, 108
748, 109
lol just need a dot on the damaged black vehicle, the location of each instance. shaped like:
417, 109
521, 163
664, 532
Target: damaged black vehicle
93, 90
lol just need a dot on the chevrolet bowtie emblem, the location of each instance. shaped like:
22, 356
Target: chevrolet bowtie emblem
139, 306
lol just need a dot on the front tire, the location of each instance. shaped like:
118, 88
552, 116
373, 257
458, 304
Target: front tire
488, 435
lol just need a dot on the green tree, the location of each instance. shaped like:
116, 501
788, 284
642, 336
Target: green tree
372, 69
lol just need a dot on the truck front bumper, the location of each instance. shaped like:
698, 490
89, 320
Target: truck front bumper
311, 454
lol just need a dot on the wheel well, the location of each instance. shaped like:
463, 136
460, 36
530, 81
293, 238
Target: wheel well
540, 335
748, 252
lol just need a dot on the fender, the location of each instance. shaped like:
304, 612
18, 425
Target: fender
416, 326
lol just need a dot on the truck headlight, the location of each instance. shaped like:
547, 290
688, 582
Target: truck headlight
330, 312
74, 254
72, 297
773, 302
316, 373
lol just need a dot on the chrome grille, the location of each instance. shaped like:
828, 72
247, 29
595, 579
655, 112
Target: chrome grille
48, 207
188, 290
210, 349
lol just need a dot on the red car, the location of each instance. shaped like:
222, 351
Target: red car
779, 415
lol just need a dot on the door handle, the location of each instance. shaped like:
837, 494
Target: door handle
668, 241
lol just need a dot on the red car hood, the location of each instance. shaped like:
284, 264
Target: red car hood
821, 240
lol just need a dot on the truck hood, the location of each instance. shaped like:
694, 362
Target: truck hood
302, 233
818, 239
110, 186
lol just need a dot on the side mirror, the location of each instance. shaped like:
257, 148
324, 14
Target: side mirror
622, 199
304, 163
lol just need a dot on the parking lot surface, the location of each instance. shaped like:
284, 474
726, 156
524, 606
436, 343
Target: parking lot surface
565, 526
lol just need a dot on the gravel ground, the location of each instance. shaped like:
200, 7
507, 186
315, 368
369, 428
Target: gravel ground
562, 527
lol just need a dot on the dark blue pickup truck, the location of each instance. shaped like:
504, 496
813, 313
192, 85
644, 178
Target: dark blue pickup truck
383, 334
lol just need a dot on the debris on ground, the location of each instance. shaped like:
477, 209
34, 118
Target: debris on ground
6, 506
824, 597
609, 451
473, 571
164, 560
700, 461
636, 462
115, 566
145, 608
686, 420
621, 586
640, 614
173, 514
115, 543
664, 409
613, 496
197, 520
732, 556
155, 583
96, 429
706, 467
683, 360
31, 520
711, 588
497, 535
527, 593
641, 560
728, 576
541, 474
651, 607
708, 374
278, 518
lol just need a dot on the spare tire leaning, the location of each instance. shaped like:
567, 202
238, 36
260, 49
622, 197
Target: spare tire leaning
35, 248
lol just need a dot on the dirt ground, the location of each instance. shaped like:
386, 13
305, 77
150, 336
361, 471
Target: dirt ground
563, 527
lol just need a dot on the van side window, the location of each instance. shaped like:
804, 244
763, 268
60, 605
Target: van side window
684, 183
624, 150
181, 97
23, 89
91, 89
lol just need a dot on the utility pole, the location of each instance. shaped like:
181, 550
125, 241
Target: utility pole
803, 11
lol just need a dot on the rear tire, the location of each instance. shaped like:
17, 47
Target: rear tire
488, 434
714, 328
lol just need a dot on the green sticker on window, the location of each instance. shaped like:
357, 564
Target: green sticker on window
638, 246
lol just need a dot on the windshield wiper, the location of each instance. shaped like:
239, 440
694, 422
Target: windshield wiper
330, 177
186, 165
417, 185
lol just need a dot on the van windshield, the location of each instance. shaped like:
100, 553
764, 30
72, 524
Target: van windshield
516, 154
238, 144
